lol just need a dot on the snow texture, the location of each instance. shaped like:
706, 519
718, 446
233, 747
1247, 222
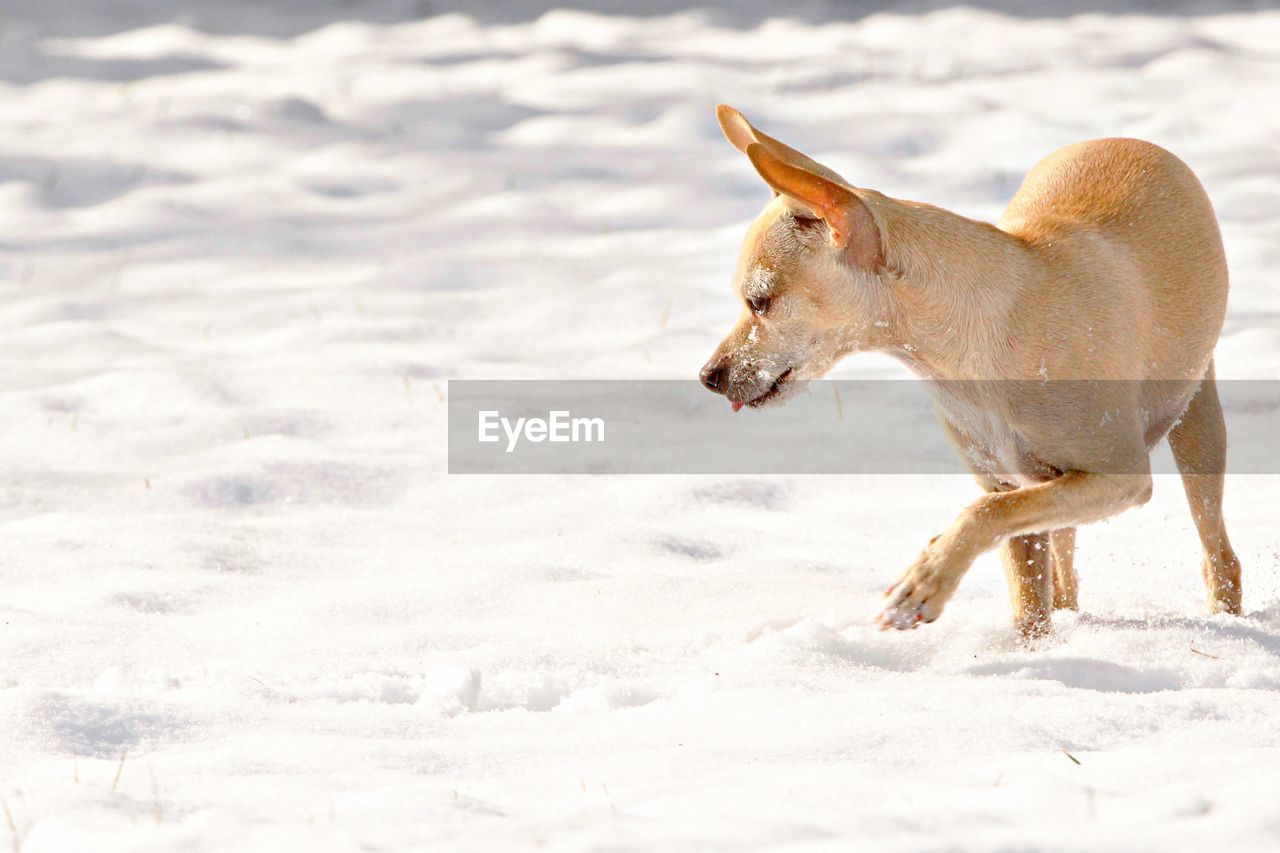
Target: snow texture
243, 247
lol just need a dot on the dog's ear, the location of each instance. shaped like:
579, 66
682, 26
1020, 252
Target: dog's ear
735, 127
741, 134
850, 225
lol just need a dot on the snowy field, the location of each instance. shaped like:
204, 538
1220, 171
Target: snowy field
243, 247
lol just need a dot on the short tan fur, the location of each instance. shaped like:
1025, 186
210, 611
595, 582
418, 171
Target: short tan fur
1107, 265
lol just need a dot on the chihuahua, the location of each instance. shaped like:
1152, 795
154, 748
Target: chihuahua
1060, 346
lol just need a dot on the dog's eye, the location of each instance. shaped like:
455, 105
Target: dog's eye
759, 304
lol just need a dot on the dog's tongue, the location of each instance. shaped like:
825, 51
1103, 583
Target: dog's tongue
736, 406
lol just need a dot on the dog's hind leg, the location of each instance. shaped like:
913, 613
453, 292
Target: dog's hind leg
1028, 567
1063, 545
1199, 443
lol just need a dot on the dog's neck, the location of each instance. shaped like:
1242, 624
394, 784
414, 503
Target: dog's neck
955, 286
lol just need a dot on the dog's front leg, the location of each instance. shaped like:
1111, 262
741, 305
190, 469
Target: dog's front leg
1076, 497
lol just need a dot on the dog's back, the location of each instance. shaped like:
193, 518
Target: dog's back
1128, 223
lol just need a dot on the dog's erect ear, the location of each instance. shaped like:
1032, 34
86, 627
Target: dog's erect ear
849, 221
735, 127
740, 134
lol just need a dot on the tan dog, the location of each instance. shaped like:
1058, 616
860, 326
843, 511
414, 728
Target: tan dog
1107, 265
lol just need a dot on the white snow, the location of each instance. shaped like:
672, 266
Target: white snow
243, 247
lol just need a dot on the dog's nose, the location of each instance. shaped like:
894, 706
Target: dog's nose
713, 377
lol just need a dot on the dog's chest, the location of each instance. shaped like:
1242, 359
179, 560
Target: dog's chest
990, 445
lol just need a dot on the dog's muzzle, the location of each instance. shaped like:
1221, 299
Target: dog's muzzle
716, 377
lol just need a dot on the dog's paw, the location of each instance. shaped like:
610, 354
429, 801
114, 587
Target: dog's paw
922, 593
901, 616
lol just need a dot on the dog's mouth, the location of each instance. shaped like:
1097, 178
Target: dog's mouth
773, 391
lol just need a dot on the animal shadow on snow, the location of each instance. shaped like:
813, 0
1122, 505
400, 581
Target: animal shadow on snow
1085, 674
1092, 673
1246, 628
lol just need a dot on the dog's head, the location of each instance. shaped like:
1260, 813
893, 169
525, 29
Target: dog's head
808, 275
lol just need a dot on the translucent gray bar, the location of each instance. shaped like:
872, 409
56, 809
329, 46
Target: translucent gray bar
831, 427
